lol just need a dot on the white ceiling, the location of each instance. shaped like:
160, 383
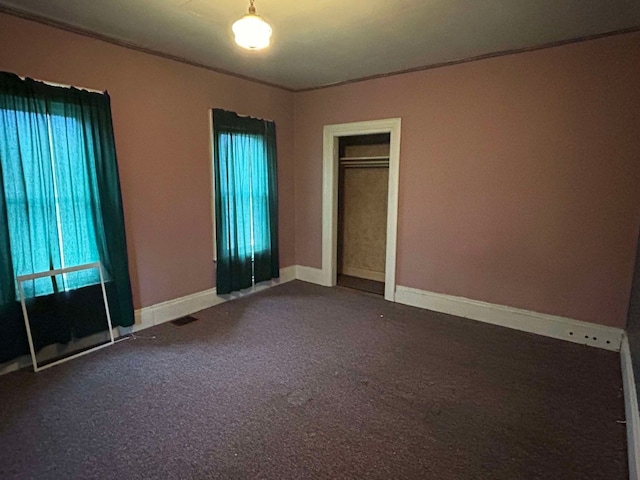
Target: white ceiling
321, 42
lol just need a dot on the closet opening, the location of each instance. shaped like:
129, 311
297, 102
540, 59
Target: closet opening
363, 184
331, 136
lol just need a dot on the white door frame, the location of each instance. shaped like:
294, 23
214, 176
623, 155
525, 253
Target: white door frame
331, 135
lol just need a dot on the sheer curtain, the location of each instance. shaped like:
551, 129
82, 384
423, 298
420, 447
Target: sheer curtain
246, 201
60, 204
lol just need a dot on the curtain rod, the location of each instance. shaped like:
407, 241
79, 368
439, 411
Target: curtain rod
55, 84
257, 118
242, 115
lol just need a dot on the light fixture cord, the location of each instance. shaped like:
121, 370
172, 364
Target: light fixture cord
252, 9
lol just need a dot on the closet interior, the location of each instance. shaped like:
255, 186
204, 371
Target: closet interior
362, 211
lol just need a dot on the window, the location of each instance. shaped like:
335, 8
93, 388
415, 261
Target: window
252, 194
245, 194
51, 213
55, 204
60, 206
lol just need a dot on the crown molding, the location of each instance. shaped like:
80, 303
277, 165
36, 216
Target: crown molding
132, 46
484, 56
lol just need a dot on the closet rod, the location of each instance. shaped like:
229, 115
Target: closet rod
366, 164
349, 159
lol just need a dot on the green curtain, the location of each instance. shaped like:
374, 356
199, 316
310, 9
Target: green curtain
246, 201
60, 203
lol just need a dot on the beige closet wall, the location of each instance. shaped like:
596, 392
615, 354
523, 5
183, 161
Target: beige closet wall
363, 215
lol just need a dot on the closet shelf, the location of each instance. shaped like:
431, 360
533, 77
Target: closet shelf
364, 162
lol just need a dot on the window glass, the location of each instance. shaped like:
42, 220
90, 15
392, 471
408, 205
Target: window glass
50, 216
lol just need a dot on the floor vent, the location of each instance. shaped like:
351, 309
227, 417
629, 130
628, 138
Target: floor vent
179, 322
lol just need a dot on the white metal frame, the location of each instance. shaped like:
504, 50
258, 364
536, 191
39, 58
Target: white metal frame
331, 136
23, 278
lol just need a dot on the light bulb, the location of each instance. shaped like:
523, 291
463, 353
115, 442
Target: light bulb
252, 32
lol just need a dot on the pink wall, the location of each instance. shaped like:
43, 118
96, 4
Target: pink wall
519, 175
160, 114
518, 180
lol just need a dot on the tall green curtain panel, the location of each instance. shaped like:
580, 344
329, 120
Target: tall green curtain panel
60, 204
246, 201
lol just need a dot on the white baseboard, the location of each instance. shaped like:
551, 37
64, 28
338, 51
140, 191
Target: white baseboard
631, 410
287, 274
310, 274
171, 310
601, 336
179, 307
17, 364
576, 331
362, 273
51, 352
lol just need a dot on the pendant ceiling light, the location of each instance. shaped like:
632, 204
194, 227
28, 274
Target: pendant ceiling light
251, 31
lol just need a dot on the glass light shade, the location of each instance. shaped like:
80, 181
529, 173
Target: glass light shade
252, 32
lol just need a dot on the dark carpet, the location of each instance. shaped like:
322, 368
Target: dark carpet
362, 284
306, 382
